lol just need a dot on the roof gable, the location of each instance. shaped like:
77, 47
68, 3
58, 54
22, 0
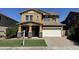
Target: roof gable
36, 10
41, 12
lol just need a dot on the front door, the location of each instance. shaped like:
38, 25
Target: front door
35, 31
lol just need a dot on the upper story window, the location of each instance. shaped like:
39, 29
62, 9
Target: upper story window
29, 17
37, 17
46, 18
54, 19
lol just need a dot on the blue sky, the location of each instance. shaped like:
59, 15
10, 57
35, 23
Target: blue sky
14, 12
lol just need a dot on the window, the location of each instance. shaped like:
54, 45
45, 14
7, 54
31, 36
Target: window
31, 17
27, 17
46, 18
54, 19
37, 17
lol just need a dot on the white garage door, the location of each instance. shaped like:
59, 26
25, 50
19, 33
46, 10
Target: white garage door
52, 33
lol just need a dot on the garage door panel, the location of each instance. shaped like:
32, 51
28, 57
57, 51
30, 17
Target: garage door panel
51, 33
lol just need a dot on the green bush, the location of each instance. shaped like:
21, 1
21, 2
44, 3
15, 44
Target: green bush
11, 32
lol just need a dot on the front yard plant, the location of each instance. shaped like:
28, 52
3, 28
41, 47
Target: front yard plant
11, 32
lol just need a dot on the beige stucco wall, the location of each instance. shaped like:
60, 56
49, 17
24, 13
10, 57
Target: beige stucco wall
40, 19
35, 14
51, 20
64, 31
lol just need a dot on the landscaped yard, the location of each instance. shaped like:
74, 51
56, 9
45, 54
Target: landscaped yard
18, 43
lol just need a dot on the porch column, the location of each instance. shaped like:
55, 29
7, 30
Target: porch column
19, 31
62, 32
40, 31
30, 31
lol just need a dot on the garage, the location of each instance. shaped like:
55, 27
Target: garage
52, 32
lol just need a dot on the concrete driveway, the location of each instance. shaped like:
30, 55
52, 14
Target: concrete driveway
60, 43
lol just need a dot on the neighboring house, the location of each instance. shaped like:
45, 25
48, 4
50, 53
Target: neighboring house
71, 21
6, 22
38, 23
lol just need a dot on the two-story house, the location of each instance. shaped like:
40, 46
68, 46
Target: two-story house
38, 23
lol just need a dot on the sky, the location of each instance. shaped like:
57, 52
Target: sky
14, 12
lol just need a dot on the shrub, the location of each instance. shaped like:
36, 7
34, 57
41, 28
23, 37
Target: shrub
11, 32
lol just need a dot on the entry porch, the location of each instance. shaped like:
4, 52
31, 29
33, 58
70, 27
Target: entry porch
32, 29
